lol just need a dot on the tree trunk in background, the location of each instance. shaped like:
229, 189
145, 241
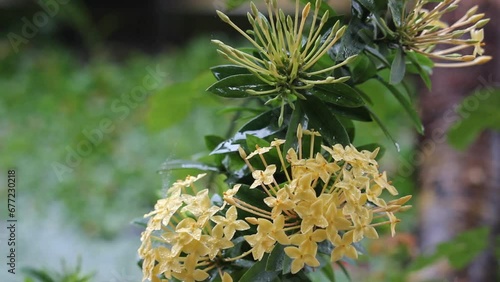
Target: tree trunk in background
460, 190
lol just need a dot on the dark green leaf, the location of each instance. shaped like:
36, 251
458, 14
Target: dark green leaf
223, 71
297, 118
258, 272
397, 7
374, 6
398, 67
287, 265
353, 41
337, 93
271, 157
297, 277
348, 124
362, 69
253, 141
262, 126
235, 86
406, 105
384, 129
276, 258
211, 141
376, 53
360, 113
254, 197
324, 121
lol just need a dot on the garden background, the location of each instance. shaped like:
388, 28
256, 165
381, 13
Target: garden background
96, 96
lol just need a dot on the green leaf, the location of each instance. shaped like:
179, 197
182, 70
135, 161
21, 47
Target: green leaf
254, 197
377, 54
271, 157
397, 8
223, 71
212, 141
287, 265
337, 93
476, 113
362, 69
421, 65
398, 67
276, 258
298, 117
406, 105
360, 113
328, 272
384, 129
262, 126
258, 272
324, 121
235, 86
374, 6
344, 270
253, 141
349, 126
355, 38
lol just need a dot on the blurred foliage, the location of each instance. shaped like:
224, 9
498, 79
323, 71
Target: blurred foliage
476, 113
54, 100
65, 275
459, 251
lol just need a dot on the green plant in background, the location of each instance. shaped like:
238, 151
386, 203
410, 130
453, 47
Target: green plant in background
459, 251
65, 275
289, 192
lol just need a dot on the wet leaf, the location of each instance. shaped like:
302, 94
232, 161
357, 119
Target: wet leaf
235, 86
223, 71
324, 121
337, 93
398, 67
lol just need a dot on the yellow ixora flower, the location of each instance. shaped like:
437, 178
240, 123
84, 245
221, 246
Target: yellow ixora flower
424, 32
331, 196
287, 52
184, 237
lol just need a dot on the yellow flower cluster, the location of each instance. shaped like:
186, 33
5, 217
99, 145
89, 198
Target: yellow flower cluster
333, 197
288, 52
423, 32
181, 239
336, 198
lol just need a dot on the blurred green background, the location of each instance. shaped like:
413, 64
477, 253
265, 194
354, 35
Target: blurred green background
88, 145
